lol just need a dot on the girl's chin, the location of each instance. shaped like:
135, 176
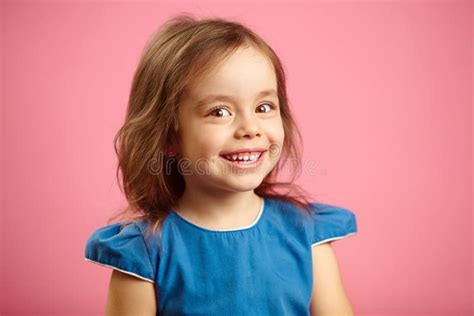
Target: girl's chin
244, 183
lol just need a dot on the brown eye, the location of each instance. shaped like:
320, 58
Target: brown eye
218, 109
270, 106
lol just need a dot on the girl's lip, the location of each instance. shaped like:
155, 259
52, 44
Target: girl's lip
245, 150
252, 165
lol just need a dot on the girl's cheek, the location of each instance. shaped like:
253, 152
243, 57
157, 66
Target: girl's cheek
276, 131
210, 139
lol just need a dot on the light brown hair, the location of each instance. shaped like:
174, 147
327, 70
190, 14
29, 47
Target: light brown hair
181, 50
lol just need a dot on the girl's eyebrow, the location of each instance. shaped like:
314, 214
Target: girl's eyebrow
228, 98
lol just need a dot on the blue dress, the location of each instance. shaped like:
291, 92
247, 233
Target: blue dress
262, 269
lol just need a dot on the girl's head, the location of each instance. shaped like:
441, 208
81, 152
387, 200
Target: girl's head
232, 107
204, 88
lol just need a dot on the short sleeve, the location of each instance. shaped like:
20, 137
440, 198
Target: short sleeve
122, 248
331, 223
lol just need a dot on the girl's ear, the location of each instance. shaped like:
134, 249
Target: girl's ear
176, 141
176, 127
171, 151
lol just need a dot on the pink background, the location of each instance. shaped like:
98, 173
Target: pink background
381, 91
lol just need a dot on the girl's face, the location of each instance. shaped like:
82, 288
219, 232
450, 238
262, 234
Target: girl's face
247, 117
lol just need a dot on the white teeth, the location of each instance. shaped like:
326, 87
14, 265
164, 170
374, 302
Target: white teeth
244, 157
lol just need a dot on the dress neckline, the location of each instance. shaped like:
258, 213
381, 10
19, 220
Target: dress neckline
252, 225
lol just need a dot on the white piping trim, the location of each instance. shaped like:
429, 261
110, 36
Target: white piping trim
333, 238
115, 268
227, 230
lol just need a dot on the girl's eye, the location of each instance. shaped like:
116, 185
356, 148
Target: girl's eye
219, 109
271, 106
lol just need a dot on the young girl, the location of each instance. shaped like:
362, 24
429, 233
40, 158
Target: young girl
207, 131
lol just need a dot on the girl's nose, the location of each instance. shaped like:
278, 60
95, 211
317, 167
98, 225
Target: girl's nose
248, 127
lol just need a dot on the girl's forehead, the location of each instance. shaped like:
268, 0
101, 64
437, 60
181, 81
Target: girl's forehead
245, 70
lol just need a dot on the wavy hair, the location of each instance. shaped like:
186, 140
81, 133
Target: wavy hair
181, 50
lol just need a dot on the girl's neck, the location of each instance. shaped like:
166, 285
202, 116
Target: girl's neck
220, 211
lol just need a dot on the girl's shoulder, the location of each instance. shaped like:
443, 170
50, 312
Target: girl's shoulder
324, 222
122, 246
331, 222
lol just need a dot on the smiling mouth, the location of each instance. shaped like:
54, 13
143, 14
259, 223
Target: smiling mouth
243, 159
